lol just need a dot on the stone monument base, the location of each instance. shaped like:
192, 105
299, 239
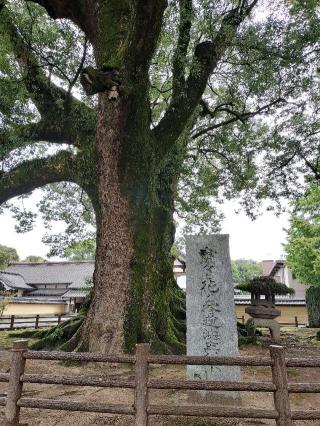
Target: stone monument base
271, 324
214, 373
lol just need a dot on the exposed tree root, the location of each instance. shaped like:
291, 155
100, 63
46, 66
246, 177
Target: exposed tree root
54, 337
68, 336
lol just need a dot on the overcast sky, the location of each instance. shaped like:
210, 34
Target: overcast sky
258, 240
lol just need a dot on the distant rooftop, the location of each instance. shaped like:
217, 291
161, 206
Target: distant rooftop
13, 281
73, 273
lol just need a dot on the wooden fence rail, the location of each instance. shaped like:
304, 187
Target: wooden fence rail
142, 409
10, 322
295, 322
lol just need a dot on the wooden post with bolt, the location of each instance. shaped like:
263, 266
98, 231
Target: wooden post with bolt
18, 362
141, 390
280, 379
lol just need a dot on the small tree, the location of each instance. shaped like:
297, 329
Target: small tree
5, 297
7, 255
303, 248
3, 304
265, 285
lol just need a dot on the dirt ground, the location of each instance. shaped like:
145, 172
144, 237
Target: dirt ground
299, 343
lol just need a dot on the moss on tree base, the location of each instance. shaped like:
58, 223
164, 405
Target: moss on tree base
61, 336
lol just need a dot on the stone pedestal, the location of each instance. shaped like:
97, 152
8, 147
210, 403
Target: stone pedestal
271, 324
211, 318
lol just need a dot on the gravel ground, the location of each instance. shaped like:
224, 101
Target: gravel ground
298, 343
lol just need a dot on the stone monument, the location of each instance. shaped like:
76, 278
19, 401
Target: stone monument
211, 318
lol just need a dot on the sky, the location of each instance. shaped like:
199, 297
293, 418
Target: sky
258, 240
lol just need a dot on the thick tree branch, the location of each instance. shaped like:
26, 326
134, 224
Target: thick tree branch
60, 111
148, 23
28, 134
45, 95
310, 166
237, 116
81, 12
206, 57
33, 174
180, 54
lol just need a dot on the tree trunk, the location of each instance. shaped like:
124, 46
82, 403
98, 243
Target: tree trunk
135, 298
134, 289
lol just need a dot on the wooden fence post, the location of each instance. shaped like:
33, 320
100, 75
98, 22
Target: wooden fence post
296, 321
37, 322
59, 319
12, 322
243, 321
12, 410
280, 379
141, 390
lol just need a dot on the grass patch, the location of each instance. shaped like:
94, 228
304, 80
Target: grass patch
6, 341
7, 337
293, 372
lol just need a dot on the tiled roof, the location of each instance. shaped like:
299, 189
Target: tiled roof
13, 280
73, 273
74, 293
47, 292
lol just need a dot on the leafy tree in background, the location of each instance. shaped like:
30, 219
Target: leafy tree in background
303, 247
180, 95
7, 255
81, 250
244, 270
34, 259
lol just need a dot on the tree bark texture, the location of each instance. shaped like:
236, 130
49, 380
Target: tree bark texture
133, 276
133, 280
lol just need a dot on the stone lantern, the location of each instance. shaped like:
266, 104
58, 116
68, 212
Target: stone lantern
262, 309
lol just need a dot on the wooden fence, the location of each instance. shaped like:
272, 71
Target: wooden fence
295, 322
141, 410
9, 322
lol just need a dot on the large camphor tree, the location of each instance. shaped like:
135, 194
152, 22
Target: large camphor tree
126, 148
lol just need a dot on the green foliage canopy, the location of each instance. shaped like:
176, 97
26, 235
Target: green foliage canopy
303, 247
